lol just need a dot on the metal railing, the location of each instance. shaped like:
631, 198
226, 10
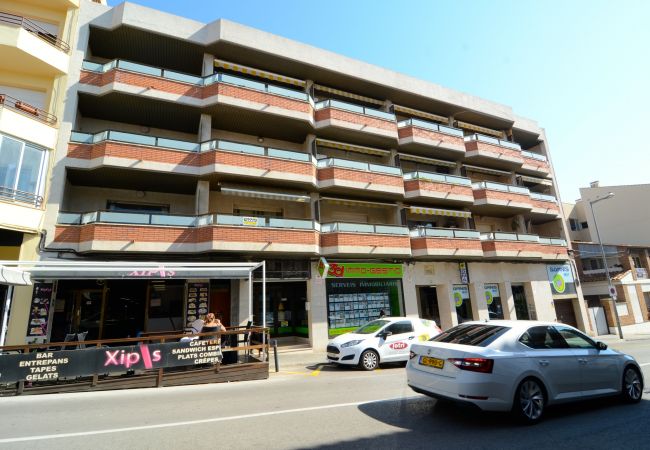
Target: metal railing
438, 177
543, 197
430, 126
27, 109
355, 108
532, 155
187, 146
8, 194
217, 77
36, 30
365, 228
493, 141
500, 236
358, 165
501, 187
450, 233
552, 241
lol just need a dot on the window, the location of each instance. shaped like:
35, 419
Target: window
574, 338
542, 338
637, 261
400, 327
22, 166
574, 224
584, 225
476, 334
136, 207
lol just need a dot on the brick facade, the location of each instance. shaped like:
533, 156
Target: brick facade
430, 135
359, 119
535, 164
496, 150
431, 243
549, 207
373, 178
510, 197
433, 186
364, 240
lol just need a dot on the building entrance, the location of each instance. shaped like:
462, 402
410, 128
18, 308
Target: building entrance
521, 305
286, 313
428, 303
565, 313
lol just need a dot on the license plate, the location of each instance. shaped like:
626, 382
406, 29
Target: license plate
432, 362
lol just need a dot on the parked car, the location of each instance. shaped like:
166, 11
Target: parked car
520, 366
383, 340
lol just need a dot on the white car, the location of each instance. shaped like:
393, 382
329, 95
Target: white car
383, 340
520, 366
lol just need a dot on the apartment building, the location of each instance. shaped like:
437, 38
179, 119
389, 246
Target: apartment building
362, 189
35, 46
623, 231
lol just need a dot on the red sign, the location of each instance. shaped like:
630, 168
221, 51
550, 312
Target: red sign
398, 345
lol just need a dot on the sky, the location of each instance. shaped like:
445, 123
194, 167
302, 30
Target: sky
580, 68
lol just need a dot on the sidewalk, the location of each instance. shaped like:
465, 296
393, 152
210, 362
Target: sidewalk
636, 332
298, 360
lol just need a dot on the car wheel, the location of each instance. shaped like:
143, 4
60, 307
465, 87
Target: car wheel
529, 402
369, 360
632, 385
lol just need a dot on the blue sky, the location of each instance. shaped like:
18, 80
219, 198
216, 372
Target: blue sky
580, 68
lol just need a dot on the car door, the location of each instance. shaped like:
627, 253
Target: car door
396, 346
599, 369
554, 361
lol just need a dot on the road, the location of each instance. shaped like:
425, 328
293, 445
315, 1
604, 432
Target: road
321, 407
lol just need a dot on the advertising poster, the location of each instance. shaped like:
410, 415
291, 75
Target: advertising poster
491, 292
560, 277
198, 299
39, 313
460, 293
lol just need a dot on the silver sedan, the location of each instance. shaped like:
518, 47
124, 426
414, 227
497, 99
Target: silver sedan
520, 366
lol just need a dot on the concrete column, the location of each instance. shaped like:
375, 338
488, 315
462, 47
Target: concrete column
205, 128
308, 144
317, 314
507, 301
409, 291
457, 169
308, 85
446, 306
314, 210
202, 197
398, 214
386, 106
521, 224
208, 65
393, 157
477, 299
239, 301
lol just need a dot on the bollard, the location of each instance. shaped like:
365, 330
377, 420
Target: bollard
275, 355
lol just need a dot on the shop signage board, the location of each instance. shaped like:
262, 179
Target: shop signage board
364, 270
460, 293
491, 292
323, 267
39, 313
250, 221
198, 299
561, 279
464, 272
50, 366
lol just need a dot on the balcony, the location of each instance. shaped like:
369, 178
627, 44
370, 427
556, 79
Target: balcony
26, 45
349, 122
229, 159
21, 211
432, 139
553, 248
500, 199
445, 242
511, 246
492, 152
544, 206
27, 122
361, 239
534, 164
342, 175
139, 232
438, 188
229, 93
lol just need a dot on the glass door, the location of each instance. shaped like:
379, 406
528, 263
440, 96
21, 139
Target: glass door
521, 305
88, 312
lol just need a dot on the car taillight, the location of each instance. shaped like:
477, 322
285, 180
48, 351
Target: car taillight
473, 364
412, 354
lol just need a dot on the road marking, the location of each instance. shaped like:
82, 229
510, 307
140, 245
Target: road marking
43, 437
315, 373
644, 364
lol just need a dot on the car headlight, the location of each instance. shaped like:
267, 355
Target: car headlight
351, 343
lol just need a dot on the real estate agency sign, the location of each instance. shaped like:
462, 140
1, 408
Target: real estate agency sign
363, 270
560, 276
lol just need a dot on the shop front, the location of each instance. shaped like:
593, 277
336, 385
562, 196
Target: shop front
565, 298
360, 292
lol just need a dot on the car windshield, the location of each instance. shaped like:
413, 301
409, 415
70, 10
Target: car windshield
371, 327
479, 335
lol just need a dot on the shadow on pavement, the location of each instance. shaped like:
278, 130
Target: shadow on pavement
421, 422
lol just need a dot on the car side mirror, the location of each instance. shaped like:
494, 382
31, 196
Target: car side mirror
601, 346
385, 334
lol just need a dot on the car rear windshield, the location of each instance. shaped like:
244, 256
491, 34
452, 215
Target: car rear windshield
479, 335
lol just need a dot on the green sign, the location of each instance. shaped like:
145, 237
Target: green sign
560, 277
491, 292
364, 270
460, 293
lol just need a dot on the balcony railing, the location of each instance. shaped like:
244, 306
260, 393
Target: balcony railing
493, 141
543, 197
499, 236
430, 126
8, 194
553, 241
27, 109
34, 29
365, 228
183, 220
449, 233
218, 77
438, 178
358, 165
532, 155
186, 146
355, 109
501, 187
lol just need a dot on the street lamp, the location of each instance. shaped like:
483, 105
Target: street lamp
602, 252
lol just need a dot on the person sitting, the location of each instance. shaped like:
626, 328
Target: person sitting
211, 324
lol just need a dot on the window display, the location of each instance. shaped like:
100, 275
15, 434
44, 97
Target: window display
493, 300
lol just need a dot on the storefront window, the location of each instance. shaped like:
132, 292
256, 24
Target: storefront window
354, 302
286, 314
463, 303
166, 305
493, 300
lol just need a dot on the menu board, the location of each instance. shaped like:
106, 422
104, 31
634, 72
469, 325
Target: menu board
198, 299
39, 313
